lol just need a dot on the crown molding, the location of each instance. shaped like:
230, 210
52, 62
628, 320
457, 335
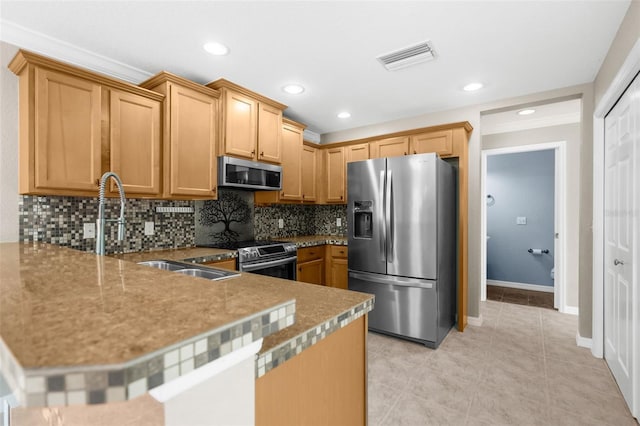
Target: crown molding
38, 42
223, 84
533, 123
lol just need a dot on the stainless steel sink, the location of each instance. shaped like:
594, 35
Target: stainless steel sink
194, 270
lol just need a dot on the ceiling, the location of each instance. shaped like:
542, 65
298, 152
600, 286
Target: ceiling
549, 114
513, 47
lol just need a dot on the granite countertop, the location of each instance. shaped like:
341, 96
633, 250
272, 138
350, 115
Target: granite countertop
191, 254
315, 240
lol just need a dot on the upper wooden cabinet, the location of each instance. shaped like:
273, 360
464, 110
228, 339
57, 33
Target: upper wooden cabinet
190, 137
440, 142
390, 147
250, 124
291, 157
335, 170
357, 152
75, 125
308, 169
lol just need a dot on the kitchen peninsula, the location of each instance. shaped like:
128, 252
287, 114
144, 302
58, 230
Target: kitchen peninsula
92, 332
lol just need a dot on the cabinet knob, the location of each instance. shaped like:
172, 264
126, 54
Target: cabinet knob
214, 189
282, 194
261, 153
98, 182
253, 152
341, 197
405, 153
414, 151
300, 269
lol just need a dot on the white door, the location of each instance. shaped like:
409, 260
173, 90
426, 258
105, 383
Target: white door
620, 281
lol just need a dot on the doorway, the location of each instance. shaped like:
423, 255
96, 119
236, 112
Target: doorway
549, 253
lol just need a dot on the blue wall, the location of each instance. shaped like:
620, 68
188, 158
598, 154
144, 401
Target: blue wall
522, 184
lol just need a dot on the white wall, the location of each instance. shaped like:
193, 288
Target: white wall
8, 146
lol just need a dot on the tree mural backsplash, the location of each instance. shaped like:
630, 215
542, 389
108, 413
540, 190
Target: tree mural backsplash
229, 218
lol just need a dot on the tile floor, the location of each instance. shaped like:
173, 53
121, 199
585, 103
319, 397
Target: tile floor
520, 297
521, 367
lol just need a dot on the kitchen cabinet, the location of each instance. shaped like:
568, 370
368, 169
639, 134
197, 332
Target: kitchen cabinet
308, 170
251, 124
333, 371
390, 147
311, 265
291, 157
190, 137
357, 152
440, 142
75, 125
337, 266
229, 264
335, 171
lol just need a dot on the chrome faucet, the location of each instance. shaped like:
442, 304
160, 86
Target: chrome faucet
101, 218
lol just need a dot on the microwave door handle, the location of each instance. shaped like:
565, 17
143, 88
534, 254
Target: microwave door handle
389, 216
382, 236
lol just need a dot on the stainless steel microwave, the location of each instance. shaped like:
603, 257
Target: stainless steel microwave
245, 174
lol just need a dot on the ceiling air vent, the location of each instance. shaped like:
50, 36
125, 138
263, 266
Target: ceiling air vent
408, 56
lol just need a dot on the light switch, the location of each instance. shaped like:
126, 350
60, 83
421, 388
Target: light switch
339, 222
89, 230
521, 220
149, 228
280, 223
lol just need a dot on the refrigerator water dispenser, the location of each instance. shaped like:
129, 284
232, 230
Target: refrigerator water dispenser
362, 219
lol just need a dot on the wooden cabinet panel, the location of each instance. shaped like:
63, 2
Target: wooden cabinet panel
229, 264
335, 172
337, 266
440, 142
357, 152
240, 128
311, 272
67, 138
191, 151
309, 173
391, 147
326, 384
135, 140
291, 153
306, 254
340, 252
269, 133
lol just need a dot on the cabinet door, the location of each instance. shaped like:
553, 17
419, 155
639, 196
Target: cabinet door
67, 151
391, 147
309, 173
311, 272
357, 152
269, 134
335, 175
339, 274
291, 153
229, 264
439, 142
192, 148
240, 125
135, 142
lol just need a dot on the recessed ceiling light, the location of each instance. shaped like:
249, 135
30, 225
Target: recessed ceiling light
472, 87
526, 112
344, 114
293, 89
215, 48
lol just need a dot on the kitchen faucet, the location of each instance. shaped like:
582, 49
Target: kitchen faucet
101, 218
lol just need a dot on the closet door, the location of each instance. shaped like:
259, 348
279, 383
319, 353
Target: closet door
622, 126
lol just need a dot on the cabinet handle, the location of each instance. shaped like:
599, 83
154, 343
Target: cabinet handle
405, 153
253, 152
261, 153
98, 182
300, 269
341, 251
414, 151
214, 189
341, 197
282, 194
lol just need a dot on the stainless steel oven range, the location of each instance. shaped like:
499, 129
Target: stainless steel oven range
272, 258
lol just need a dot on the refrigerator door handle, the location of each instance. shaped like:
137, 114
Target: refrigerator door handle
389, 216
391, 280
382, 235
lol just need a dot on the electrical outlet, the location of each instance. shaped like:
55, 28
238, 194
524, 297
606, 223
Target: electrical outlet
521, 220
89, 230
280, 223
149, 228
339, 222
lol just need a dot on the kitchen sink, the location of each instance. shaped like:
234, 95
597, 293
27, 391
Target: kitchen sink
199, 271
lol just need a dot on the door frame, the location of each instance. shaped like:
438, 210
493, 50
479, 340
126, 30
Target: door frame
623, 78
559, 218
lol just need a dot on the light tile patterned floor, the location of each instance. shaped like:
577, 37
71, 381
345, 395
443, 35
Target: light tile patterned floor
521, 367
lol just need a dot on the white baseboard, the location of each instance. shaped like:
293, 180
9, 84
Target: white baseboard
475, 321
583, 342
571, 310
521, 286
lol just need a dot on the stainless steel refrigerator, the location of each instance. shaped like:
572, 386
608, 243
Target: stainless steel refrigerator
401, 215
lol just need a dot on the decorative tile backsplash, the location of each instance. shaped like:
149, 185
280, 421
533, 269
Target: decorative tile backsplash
60, 220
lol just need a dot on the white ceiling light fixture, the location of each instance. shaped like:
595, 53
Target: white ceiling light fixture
472, 87
526, 111
344, 114
408, 56
215, 48
293, 89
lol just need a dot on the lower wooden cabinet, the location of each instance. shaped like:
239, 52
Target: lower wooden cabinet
311, 265
325, 384
229, 264
337, 266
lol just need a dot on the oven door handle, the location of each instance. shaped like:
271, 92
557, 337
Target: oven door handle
262, 265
